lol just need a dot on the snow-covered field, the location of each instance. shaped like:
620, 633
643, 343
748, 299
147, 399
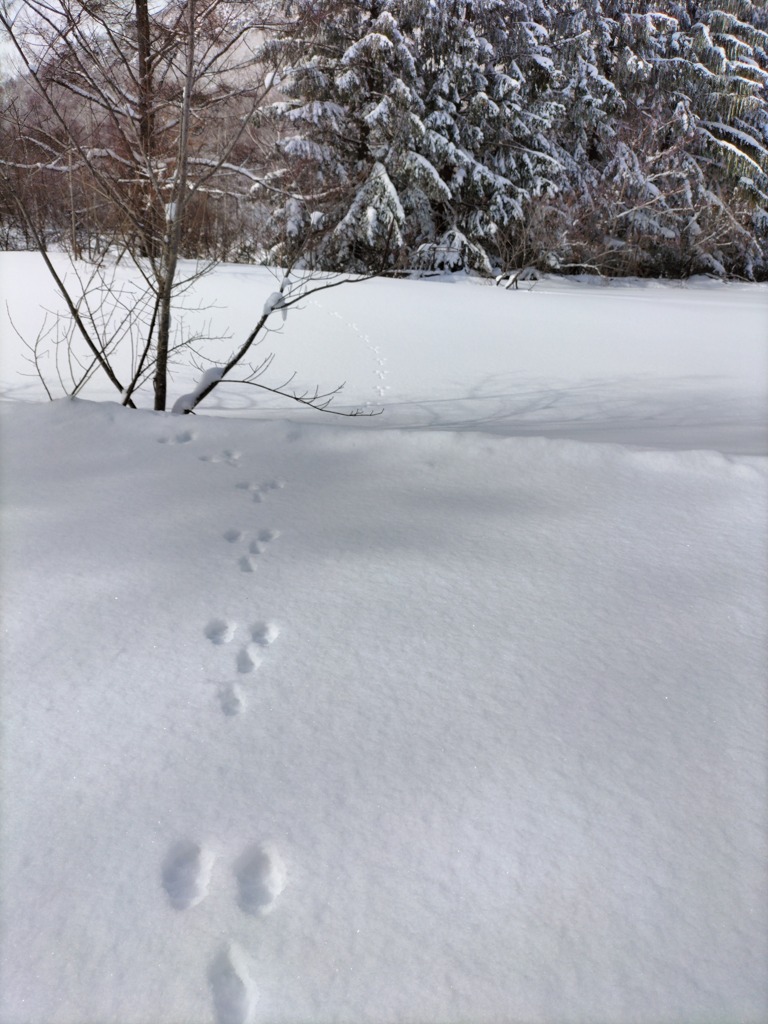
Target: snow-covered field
456, 714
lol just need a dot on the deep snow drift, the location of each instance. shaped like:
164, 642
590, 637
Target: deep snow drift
311, 722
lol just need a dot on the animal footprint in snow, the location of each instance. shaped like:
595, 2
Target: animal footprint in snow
260, 490
246, 563
187, 874
248, 659
219, 631
230, 456
266, 487
264, 537
261, 877
265, 633
234, 992
184, 437
231, 700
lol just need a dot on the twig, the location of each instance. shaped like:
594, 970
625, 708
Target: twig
318, 401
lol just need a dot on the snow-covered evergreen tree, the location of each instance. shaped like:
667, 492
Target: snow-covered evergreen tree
697, 86
724, 104
413, 127
589, 105
664, 136
349, 121
481, 63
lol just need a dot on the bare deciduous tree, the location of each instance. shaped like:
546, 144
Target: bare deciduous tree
149, 108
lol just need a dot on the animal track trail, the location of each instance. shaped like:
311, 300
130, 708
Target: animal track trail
259, 491
381, 372
265, 633
261, 877
230, 456
183, 437
186, 874
231, 700
263, 538
248, 659
262, 634
220, 631
245, 562
248, 562
234, 992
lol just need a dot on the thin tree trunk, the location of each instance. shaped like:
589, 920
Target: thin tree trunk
145, 77
174, 219
149, 216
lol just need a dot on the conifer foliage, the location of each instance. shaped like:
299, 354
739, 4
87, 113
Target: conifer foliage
627, 137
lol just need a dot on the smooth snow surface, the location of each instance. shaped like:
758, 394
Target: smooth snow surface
663, 365
309, 720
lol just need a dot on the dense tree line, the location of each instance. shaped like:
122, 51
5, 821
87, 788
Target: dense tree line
623, 136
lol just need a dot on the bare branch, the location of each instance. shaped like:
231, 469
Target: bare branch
315, 400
